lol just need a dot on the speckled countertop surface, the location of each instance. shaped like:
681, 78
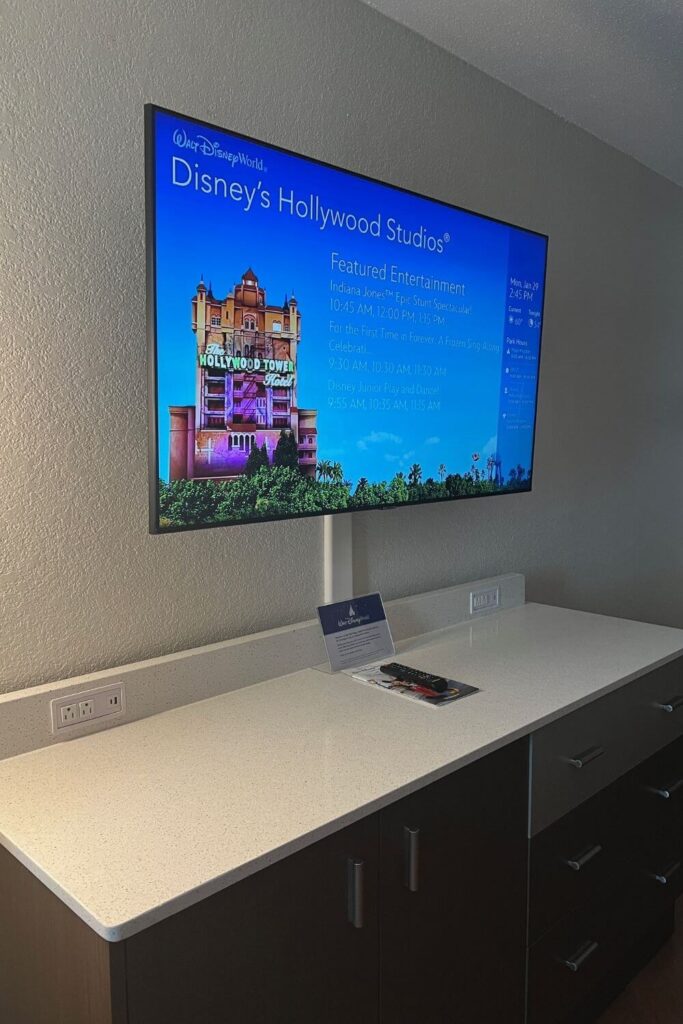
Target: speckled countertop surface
132, 825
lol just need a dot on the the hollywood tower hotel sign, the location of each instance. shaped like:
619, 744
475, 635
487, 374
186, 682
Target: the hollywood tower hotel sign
246, 385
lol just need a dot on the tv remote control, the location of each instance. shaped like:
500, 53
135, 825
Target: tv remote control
415, 677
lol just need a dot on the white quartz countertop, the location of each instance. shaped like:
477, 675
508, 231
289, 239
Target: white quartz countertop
131, 825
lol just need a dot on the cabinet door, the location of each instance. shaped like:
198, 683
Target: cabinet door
276, 948
453, 897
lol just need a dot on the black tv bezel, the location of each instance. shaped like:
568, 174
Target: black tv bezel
151, 109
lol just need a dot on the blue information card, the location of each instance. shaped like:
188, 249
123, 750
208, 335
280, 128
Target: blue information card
356, 632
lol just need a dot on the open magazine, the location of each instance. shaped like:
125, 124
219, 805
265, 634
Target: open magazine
372, 676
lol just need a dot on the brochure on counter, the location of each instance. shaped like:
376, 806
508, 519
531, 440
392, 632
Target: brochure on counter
373, 676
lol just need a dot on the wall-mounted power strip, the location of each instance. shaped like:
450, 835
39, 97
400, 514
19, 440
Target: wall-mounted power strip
86, 706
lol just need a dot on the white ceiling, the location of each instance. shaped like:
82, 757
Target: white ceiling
614, 67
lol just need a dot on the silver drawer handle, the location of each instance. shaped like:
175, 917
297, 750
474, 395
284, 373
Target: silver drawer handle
666, 792
667, 874
411, 858
586, 756
583, 952
576, 863
354, 892
670, 705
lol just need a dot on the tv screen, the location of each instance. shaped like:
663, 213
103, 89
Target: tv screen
322, 342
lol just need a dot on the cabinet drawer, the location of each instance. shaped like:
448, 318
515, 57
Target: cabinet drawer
575, 959
578, 860
585, 751
655, 821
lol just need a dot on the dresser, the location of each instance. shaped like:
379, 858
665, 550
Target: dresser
310, 848
606, 844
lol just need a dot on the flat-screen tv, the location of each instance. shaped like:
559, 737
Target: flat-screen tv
323, 342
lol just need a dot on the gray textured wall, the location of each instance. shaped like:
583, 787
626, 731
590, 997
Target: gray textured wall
83, 586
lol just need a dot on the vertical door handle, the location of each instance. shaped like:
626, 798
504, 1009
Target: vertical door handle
411, 858
355, 870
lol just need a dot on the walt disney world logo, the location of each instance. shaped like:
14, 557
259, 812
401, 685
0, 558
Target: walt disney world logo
207, 147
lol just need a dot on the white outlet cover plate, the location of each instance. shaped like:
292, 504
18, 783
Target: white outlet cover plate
485, 600
106, 701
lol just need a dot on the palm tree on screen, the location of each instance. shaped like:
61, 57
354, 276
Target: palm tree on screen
324, 469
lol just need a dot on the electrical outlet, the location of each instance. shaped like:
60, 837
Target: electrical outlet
68, 713
484, 600
86, 709
87, 706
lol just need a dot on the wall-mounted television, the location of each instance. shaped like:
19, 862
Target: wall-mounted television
323, 342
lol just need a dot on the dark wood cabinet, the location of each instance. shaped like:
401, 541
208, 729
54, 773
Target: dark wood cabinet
577, 968
53, 968
376, 923
441, 905
578, 860
655, 828
416, 913
581, 753
453, 896
606, 868
296, 943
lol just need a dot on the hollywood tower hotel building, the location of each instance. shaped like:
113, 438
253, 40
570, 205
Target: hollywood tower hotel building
246, 385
